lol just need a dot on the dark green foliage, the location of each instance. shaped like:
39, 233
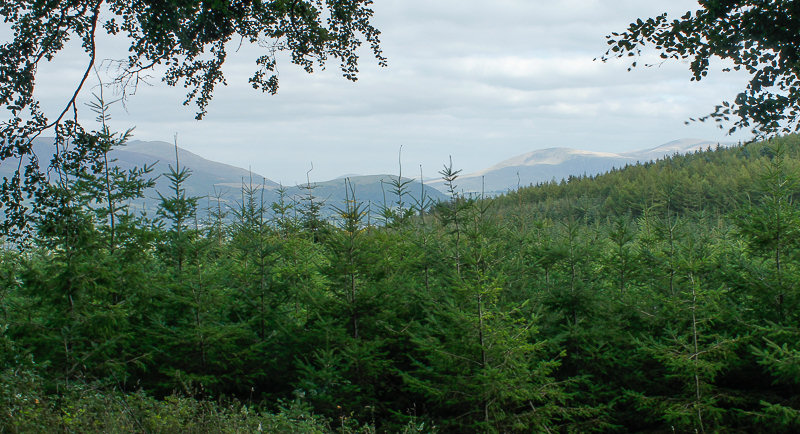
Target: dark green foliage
190, 39
757, 37
631, 301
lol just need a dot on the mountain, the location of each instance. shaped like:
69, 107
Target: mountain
560, 163
683, 146
210, 177
206, 174
372, 190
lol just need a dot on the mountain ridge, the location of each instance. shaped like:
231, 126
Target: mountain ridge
211, 178
215, 178
557, 163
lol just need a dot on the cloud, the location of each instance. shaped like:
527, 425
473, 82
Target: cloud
482, 81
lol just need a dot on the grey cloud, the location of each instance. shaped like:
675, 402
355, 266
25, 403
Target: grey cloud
482, 81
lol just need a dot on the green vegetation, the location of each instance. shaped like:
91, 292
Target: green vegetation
656, 297
183, 43
752, 36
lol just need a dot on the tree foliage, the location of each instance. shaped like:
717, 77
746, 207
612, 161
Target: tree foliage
187, 42
630, 301
758, 37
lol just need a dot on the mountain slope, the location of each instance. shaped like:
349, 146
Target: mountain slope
550, 164
209, 178
373, 190
206, 174
683, 146
713, 182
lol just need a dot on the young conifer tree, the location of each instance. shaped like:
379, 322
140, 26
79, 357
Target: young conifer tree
396, 212
450, 214
187, 294
693, 347
348, 256
93, 274
479, 362
251, 233
622, 235
769, 227
179, 210
310, 208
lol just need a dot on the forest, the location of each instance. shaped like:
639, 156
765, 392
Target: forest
661, 297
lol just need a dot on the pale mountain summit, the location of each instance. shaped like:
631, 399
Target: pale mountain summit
556, 164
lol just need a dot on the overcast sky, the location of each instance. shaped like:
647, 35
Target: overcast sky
481, 81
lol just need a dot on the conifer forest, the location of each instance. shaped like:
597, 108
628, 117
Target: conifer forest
658, 297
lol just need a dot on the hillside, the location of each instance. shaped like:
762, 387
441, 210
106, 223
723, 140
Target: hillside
373, 190
717, 180
555, 164
209, 178
641, 300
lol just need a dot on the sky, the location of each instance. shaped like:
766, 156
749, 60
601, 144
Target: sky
479, 81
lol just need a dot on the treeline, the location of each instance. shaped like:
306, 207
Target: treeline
660, 297
716, 180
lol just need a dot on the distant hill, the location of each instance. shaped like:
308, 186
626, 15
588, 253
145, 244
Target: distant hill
550, 164
696, 185
210, 177
374, 191
206, 174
